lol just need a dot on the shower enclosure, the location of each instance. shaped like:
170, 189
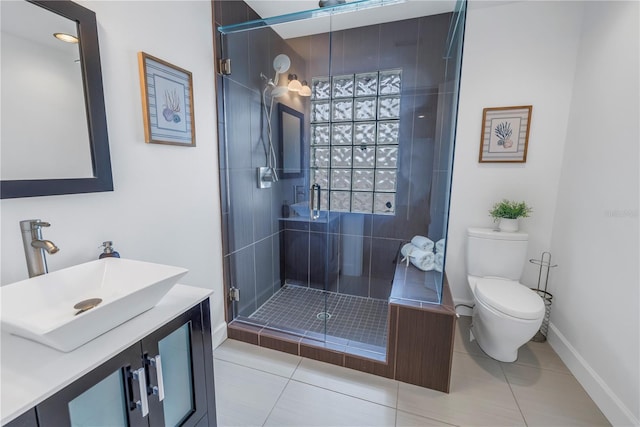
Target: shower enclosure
336, 141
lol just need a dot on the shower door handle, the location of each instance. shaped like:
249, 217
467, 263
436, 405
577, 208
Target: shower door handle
314, 210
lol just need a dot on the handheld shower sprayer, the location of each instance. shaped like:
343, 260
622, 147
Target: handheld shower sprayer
281, 64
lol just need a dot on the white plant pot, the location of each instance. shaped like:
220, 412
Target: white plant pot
508, 224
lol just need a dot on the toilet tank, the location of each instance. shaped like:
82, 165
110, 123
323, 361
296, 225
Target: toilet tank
496, 253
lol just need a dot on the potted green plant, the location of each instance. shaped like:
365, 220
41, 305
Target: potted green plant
507, 212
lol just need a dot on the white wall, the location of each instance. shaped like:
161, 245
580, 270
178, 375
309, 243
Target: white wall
165, 207
577, 64
595, 315
520, 53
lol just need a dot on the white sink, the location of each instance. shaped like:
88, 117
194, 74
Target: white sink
302, 210
42, 308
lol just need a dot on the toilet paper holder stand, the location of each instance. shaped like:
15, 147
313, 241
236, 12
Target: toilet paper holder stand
545, 266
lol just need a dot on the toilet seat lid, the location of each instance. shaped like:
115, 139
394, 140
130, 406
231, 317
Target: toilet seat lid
510, 297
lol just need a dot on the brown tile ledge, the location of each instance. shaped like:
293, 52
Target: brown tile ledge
419, 349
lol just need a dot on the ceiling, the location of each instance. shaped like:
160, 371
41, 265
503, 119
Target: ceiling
34, 23
374, 15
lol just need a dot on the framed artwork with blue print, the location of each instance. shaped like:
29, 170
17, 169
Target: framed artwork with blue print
505, 134
167, 102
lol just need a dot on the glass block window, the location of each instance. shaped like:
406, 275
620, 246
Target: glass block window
341, 179
389, 107
384, 203
364, 157
390, 82
342, 134
361, 202
342, 110
341, 157
321, 88
366, 84
363, 179
365, 108
320, 176
320, 157
365, 133
388, 132
320, 134
386, 157
340, 201
320, 111
343, 87
355, 128
385, 180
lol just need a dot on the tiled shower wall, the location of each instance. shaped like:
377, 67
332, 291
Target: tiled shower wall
250, 215
251, 242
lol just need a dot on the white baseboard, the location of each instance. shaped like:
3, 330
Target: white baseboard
610, 405
464, 311
219, 334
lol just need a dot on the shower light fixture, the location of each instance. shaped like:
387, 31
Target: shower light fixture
294, 83
305, 90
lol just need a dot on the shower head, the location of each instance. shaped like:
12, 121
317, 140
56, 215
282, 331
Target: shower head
281, 63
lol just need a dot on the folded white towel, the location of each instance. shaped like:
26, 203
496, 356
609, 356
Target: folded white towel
440, 245
439, 261
423, 243
425, 263
420, 256
407, 250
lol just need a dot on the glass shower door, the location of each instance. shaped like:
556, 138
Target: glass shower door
377, 103
277, 243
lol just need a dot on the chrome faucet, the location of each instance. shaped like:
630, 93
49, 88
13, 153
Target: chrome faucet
35, 246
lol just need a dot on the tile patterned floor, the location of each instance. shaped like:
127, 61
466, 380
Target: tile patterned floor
261, 387
353, 318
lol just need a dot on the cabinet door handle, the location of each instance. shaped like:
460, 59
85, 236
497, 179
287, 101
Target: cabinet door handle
143, 403
159, 389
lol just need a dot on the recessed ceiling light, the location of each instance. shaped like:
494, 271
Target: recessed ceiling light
66, 37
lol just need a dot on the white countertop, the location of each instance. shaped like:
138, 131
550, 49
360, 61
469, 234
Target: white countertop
31, 372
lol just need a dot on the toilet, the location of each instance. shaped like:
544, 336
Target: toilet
506, 313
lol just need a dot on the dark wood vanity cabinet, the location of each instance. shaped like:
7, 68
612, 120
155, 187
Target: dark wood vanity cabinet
309, 251
171, 368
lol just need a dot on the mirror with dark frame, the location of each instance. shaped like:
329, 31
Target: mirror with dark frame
95, 174
291, 137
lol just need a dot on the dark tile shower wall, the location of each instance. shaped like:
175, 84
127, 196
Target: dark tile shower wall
250, 215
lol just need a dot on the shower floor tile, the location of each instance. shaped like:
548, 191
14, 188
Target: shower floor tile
353, 321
